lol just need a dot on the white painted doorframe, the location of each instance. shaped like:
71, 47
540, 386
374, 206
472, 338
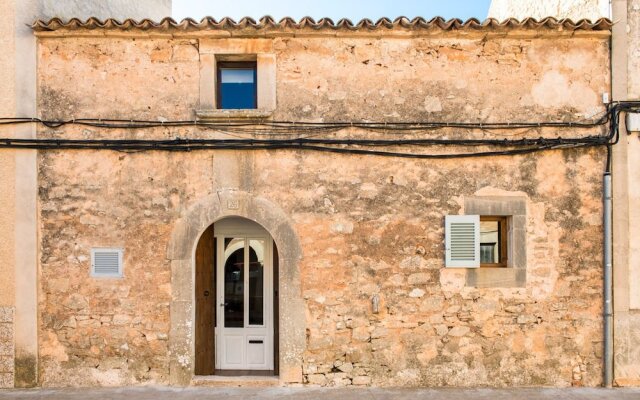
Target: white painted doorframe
249, 347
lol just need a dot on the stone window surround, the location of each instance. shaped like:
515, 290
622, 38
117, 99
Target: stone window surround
515, 274
226, 49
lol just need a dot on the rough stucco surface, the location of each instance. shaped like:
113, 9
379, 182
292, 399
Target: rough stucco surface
627, 317
7, 161
7, 197
573, 9
366, 225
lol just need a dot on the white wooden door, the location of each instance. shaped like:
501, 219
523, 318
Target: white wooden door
244, 328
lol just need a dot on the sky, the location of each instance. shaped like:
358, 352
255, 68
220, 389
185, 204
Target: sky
334, 9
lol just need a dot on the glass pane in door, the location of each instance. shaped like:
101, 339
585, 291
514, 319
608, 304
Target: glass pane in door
256, 282
234, 283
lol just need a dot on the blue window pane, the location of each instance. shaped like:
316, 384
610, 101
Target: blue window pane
237, 88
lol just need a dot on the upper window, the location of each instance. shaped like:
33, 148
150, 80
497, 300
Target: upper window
237, 79
493, 241
237, 85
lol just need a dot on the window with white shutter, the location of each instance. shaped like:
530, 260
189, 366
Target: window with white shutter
462, 241
106, 263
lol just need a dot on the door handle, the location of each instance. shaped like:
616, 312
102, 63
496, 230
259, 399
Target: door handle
206, 293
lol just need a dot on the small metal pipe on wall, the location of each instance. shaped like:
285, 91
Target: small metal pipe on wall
607, 283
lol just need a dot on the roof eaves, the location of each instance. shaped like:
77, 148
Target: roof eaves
268, 23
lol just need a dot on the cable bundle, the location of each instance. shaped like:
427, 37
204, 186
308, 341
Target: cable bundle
301, 140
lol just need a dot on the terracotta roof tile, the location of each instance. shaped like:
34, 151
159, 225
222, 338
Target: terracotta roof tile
287, 23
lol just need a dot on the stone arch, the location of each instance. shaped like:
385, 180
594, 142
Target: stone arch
181, 252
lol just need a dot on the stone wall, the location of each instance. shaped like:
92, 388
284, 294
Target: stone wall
367, 225
6, 348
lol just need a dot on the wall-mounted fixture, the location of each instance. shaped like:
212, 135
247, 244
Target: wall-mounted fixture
633, 122
106, 263
375, 304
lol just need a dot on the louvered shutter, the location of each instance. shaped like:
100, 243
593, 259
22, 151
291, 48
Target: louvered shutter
462, 241
106, 263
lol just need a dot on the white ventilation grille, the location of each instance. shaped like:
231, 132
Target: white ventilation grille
462, 241
106, 263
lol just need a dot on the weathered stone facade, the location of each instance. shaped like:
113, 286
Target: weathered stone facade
366, 225
625, 87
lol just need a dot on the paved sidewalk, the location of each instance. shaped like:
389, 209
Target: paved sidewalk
159, 393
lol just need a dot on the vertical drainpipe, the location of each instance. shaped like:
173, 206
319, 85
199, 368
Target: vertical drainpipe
608, 287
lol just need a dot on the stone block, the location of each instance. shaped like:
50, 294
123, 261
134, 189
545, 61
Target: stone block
6, 314
185, 52
6, 347
346, 367
76, 302
459, 331
379, 332
317, 379
6, 364
496, 205
6, 332
361, 334
121, 319
497, 278
361, 380
526, 319
181, 280
419, 278
6, 380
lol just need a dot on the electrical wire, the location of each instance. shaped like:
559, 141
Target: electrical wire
189, 146
297, 125
541, 141
307, 136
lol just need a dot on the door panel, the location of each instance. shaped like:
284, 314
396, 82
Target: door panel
205, 304
234, 350
256, 351
245, 323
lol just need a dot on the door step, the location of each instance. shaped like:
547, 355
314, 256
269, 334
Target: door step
235, 381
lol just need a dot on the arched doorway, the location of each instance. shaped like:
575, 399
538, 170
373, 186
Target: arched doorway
181, 250
236, 300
